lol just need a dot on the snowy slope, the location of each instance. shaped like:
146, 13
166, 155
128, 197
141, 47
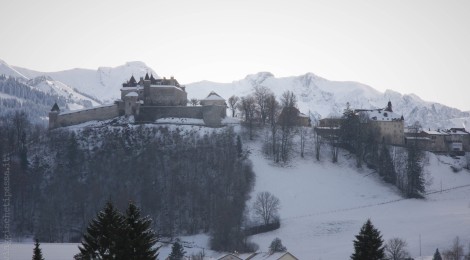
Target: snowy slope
74, 99
8, 70
325, 98
324, 205
103, 83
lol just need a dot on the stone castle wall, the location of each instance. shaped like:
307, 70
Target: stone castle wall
81, 116
212, 115
152, 113
160, 95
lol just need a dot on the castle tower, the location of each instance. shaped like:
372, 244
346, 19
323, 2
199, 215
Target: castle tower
131, 105
389, 107
53, 116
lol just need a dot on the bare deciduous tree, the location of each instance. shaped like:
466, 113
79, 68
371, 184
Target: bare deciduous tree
395, 249
247, 105
266, 207
262, 95
232, 104
194, 102
455, 252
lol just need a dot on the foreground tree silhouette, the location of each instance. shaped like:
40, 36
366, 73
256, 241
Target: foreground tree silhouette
140, 238
114, 236
277, 246
368, 244
437, 255
37, 253
177, 252
104, 237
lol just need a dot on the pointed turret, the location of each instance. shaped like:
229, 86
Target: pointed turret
55, 108
147, 76
152, 80
389, 107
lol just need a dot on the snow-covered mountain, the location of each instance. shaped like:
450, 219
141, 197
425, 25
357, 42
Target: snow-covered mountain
103, 83
75, 100
319, 96
8, 70
324, 98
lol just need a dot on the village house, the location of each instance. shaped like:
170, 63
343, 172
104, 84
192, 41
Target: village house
453, 140
388, 127
259, 256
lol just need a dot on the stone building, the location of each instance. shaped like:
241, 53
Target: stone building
387, 126
146, 100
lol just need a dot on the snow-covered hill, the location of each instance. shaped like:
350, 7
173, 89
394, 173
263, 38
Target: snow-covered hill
324, 205
103, 83
325, 98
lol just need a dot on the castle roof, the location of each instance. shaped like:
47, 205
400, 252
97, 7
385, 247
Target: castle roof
213, 96
55, 107
132, 94
382, 115
132, 80
147, 76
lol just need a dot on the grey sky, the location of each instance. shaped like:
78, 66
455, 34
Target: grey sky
420, 47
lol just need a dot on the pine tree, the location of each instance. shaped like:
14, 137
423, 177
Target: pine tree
437, 255
37, 253
386, 167
277, 246
414, 170
104, 236
140, 237
177, 252
368, 244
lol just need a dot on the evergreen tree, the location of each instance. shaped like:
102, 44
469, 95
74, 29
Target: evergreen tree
386, 167
177, 252
37, 253
368, 244
104, 237
277, 246
140, 237
437, 255
414, 170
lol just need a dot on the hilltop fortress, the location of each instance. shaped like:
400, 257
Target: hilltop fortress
147, 100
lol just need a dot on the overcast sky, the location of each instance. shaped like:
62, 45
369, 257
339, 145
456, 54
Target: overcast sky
420, 47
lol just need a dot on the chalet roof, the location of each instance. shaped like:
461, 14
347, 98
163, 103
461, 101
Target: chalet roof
213, 96
55, 108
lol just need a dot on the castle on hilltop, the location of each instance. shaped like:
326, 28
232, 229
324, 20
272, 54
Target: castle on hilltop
147, 100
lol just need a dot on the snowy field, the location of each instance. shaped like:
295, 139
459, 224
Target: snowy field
323, 206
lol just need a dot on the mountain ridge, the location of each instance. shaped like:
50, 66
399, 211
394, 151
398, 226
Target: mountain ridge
318, 96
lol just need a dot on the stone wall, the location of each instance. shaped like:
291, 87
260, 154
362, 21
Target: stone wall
212, 115
81, 116
159, 95
152, 113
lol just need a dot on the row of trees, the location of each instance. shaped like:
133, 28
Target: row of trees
188, 182
400, 166
262, 108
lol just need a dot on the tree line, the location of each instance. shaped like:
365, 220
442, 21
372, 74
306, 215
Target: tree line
188, 181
